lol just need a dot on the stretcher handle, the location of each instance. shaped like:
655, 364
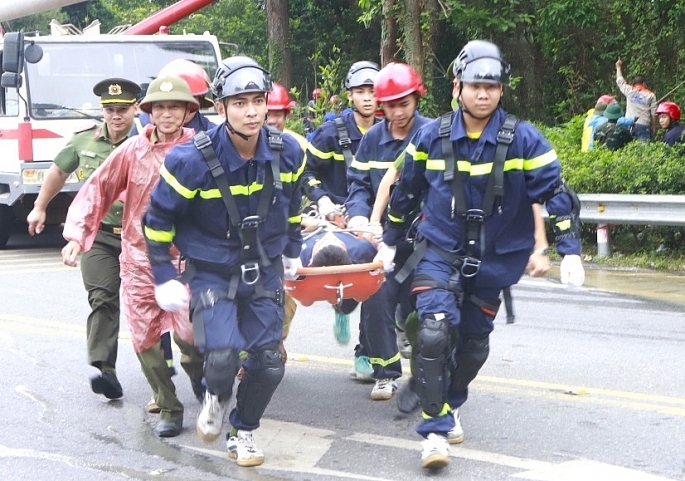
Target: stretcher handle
346, 269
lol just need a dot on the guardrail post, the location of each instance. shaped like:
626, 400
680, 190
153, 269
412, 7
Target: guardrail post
603, 241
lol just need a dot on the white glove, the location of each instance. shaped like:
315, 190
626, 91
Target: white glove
358, 222
572, 272
386, 255
172, 296
326, 206
290, 267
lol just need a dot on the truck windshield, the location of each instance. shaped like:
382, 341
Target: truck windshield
61, 84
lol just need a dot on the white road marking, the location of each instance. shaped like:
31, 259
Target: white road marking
293, 448
587, 470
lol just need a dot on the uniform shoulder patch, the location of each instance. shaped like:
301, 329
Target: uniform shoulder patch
82, 127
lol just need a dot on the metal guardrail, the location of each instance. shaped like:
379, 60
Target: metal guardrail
632, 209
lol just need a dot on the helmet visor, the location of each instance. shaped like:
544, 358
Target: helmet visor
243, 80
364, 76
484, 70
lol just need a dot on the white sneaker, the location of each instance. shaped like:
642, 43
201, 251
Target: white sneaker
211, 418
383, 390
361, 369
456, 435
243, 449
435, 452
403, 344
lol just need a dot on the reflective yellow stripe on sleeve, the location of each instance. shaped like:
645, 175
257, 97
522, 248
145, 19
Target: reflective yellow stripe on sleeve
325, 155
540, 161
159, 235
296, 219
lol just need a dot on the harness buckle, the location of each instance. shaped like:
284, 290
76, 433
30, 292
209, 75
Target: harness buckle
470, 266
505, 137
345, 143
474, 215
250, 222
248, 235
247, 271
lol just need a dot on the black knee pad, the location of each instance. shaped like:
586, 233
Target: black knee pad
220, 369
258, 385
471, 356
432, 344
433, 337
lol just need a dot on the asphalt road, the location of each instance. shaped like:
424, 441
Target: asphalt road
586, 385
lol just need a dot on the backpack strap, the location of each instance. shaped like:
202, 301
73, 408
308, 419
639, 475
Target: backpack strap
344, 140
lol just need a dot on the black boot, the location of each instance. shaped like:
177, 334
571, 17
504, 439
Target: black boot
169, 428
107, 384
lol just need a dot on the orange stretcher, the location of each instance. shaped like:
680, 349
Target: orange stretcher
335, 283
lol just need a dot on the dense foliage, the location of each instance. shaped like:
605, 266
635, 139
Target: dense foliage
562, 52
638, 168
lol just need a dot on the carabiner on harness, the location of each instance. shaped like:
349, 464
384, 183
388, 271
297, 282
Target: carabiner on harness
249, 273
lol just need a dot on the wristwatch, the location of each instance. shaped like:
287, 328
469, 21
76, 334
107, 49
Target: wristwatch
543, 251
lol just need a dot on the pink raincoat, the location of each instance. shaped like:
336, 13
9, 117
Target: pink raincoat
130, 173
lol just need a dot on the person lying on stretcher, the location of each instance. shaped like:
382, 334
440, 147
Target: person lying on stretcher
325, 244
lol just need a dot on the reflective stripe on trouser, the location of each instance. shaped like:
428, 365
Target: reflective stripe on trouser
378, 320
469, 321
100, 271
156, 372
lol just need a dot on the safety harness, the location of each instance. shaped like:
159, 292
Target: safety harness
344, 140
466, 261
252, 254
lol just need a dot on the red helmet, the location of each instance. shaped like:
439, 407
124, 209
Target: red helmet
397, 80
278, 98
607, 99
316, 93
192, 73
669, 108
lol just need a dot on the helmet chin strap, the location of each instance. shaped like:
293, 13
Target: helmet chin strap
230, 127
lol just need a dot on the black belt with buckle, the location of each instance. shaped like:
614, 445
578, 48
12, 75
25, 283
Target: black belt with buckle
116, 230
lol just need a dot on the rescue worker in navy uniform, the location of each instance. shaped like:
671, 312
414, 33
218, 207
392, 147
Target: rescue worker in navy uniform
238, 226
398, 89
325, 177
475, 243
83, 154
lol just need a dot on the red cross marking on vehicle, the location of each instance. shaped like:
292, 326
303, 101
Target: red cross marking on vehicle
25, 135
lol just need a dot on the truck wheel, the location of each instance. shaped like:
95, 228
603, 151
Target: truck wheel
6, 222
